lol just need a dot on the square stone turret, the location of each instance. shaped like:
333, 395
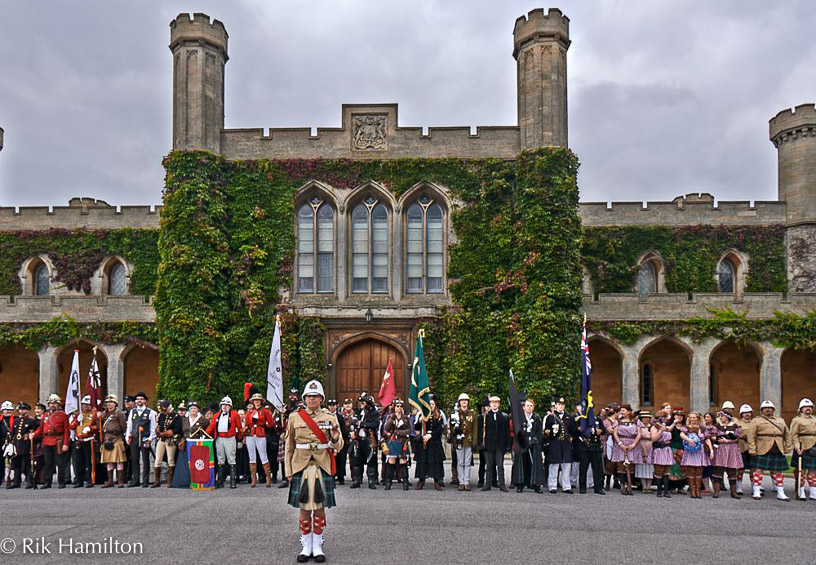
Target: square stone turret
199, 48
540, 43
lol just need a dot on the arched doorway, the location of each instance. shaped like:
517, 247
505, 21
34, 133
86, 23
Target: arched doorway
19, 374
734, 375
85, 356
798, 379
607, 370
142, 372
361, 365
665, 374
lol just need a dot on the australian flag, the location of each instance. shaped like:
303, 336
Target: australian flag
588, 417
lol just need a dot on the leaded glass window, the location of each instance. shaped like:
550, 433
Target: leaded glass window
315, 232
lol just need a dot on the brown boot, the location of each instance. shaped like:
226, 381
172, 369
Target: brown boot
156, 478
170, 476
109, 482
733, 490
717, 487
120, 479
253, 474
419, 485
268, 475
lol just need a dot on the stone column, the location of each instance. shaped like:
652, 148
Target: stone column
770, 375
343, 252
630, 374
699, 392
49, 372
116, 370
396, 254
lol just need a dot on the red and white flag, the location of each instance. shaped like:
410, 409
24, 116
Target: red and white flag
93, 387
388, 390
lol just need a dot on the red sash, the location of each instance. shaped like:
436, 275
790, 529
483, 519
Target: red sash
321, 437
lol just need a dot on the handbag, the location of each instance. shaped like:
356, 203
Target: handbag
108, 445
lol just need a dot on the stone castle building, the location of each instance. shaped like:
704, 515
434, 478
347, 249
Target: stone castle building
369, 264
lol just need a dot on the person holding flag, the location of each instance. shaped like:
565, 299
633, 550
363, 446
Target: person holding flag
312, 438
85, 425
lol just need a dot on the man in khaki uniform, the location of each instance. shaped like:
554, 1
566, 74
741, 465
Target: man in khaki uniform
745, 421
768, 441
803, 437
312, 439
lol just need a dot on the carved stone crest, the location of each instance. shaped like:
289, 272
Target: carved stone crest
369, 132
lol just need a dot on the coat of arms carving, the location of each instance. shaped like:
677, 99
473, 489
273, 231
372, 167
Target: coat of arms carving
369, 133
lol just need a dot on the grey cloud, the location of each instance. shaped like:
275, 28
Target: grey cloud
665, 97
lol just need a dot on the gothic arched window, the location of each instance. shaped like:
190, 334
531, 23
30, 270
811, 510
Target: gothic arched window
369, 247
315, 232
726, 276
425, 247
42, 280
117, 280
647, 280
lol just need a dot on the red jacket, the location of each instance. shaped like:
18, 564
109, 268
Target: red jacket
54, 425
234, 426
258, 427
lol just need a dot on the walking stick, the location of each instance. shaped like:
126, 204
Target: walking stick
799, 476
32, 469
93, 463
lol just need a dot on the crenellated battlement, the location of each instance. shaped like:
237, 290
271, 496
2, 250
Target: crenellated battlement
801, 120
688, 210
196, 29
536, 24
370, 131
81, 213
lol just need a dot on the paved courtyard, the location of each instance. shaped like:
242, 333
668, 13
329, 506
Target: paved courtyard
256, 526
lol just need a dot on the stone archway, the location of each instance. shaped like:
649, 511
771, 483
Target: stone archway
734, 375
19, 374
607, 372
360, 365
798, 379
667, 363
142, 372
65, 358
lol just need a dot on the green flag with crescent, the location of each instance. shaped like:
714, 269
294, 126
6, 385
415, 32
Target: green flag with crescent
419, 396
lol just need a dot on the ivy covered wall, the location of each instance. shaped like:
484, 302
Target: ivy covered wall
76, 254
690, 255
227, 243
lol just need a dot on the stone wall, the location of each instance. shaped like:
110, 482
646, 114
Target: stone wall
370, 132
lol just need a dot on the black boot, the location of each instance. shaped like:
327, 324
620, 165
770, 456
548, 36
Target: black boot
232, 476
371, 483
666, 493
219, 479
389, 475
659, 482
406, 484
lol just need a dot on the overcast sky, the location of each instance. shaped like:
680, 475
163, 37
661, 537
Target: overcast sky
665, 97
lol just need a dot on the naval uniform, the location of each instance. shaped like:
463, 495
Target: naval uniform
22, 438
558, 429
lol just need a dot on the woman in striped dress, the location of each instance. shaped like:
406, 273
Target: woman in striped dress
626, 433
661, 456
645, 470
728, 458
710, 423
694, 458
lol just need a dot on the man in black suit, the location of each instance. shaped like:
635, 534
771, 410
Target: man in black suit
494, 441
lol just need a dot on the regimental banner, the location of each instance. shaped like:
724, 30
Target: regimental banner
201, 457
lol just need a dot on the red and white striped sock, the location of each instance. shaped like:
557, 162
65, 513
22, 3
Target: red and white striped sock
305, 526
778, 480
756, 478
811, 479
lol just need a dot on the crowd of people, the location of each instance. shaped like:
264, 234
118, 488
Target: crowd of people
668, 452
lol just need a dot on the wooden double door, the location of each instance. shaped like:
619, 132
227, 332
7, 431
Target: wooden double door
360, 368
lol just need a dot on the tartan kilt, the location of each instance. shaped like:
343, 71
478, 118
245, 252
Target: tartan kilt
771, 461
808, 461
329, 499
281, 448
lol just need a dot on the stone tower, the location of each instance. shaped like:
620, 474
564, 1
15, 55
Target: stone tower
793, 133
199, 53
540, 43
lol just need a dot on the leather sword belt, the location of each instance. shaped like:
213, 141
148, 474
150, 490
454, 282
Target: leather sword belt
312, 446
769, 435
